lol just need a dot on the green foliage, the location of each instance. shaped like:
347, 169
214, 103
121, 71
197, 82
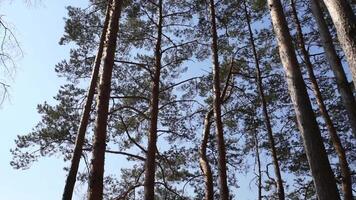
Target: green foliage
183, 104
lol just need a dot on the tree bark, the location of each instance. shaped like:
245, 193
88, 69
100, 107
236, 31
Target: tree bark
335, 64
324, 180
95, 191
79, 142
150, 165
277, 171
204, 162
203, 159
345, 23
224, 190
344, 166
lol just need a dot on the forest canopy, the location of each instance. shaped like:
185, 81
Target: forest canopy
228, 99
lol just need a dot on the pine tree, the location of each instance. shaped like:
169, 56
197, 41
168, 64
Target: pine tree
224, 190
347, 185
344, 20
95, 191
335, 64
323, 177
268, 125
79, 142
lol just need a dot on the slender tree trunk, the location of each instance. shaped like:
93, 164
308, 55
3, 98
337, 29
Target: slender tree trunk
204, 162
224, 190
95, 191
345, 23
279, 180
79, 142
324, 180
258, 166
344, 166
150, 165
335, 64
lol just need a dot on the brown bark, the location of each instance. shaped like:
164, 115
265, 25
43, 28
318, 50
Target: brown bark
79, 142
335, 64
95, 191
204, 162
277, 171
345, 23
203, 159
150, 165
344, 166
222, 169
324, 180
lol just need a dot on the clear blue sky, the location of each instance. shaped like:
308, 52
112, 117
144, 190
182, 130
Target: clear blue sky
38, 29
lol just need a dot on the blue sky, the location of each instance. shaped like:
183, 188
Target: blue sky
38, 29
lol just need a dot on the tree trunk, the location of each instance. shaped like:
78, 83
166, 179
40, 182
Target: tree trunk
258, 166
345, 23
95, 191
277, 171
79, 142
324, 180
204, 162
344, 166
203, 159
335, 64
150, 165
224, 190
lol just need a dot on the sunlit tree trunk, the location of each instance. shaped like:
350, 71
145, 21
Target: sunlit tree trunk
224, 190
203, 158
150, 165
267, 121
324, 180
344, 166
95, 191
204, 162
335, 64
79, 142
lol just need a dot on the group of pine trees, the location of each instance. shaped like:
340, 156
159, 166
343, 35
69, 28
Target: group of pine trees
196, 94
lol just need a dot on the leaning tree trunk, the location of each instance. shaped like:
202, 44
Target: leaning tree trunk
224, 190
345, 23
95, 191
335, 64
204, 162
344, 166
79, 142
279, 181
203, 158
324, 180
150, 165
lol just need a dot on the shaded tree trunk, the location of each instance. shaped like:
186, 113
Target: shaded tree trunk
224, 190
204, 162
279, 180
344, 166
345, 23
324, 180
257, 148
79, 142
335, 64
150, 165
95, 191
